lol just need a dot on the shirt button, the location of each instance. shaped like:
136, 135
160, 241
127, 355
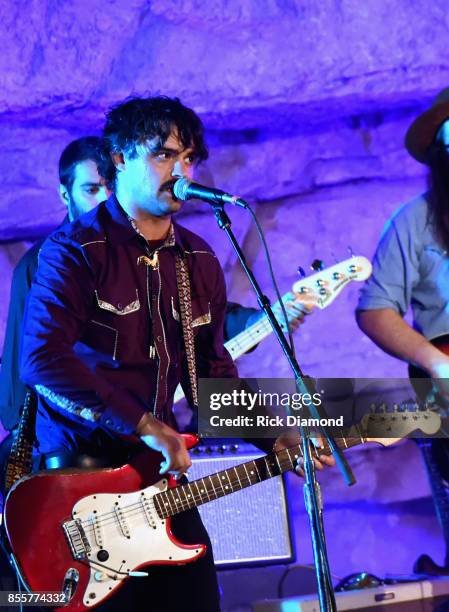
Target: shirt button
159, 338
153, 297
108, 422
119, 306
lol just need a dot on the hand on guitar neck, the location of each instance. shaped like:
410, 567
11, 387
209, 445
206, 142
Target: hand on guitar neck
320, 459
297, 309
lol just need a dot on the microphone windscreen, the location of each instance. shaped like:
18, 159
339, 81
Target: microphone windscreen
180, 188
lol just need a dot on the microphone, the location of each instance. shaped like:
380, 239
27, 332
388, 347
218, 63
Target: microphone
184, 189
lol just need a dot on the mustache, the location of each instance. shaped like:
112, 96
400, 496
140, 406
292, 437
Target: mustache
168, 186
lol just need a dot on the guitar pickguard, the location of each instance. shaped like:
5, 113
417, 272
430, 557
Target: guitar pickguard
123, 532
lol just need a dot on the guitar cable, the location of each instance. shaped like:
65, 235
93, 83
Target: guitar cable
20, 581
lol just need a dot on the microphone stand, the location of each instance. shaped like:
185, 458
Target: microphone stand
312, 491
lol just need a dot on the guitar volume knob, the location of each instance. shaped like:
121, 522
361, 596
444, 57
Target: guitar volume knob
102, 555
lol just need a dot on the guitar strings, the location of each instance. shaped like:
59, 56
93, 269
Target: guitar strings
263, 325
136, 509
110, 518
233, 483
195, 497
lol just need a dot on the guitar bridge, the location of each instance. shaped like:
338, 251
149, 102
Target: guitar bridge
76, 536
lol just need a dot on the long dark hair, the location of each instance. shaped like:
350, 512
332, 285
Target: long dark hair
438, 181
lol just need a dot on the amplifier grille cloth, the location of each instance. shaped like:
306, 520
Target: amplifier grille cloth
248, 526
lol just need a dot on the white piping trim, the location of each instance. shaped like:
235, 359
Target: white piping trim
114, 356
201, 253
150, 310
93, 242
132, 307
163, 332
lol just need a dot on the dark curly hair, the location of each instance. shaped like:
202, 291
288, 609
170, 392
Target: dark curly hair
137, 120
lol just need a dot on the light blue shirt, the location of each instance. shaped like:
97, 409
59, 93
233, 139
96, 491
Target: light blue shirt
411, 268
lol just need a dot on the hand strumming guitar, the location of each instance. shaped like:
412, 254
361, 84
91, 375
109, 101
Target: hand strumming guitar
160, 437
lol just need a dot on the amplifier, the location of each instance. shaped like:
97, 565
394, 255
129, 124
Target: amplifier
250, 526
431, 595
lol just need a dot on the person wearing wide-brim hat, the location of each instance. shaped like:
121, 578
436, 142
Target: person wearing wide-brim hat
428, 129
411, 271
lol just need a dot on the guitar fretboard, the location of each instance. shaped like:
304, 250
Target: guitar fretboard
248, 338
183, 497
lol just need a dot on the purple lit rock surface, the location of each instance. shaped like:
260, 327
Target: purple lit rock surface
306, 105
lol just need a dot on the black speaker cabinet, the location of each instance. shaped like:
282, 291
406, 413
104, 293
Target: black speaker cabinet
248, 527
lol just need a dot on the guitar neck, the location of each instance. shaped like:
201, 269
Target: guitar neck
250, 337
183, 497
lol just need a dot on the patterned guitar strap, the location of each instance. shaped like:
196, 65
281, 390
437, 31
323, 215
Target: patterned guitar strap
185, 310
19, 462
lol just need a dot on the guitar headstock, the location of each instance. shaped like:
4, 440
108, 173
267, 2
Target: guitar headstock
387, 427
322, 288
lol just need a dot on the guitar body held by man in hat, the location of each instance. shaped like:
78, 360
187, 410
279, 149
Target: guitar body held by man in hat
411, 270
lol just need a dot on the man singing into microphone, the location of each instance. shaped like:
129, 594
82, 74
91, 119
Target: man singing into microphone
125, 304
103, 341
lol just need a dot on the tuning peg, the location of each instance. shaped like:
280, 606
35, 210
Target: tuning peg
301, 272
317, 265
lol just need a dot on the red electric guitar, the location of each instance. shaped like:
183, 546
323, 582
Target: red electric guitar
82, 533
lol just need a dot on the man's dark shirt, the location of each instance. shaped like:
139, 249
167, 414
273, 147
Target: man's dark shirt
12, 389
102, 338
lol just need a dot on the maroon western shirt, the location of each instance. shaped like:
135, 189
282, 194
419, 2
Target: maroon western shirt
102, 341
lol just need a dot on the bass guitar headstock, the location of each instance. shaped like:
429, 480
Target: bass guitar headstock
322, 288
